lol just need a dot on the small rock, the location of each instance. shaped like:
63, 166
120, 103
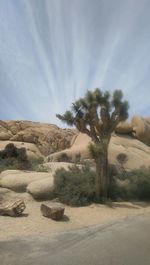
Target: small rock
13, 209
53, 211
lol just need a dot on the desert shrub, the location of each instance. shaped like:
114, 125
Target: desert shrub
132, 185
21, 154
63, 158
13, 158
9, 163
77, 158
140, 183
122, 158
36, 165
10, 151
16, 158
116, 189
75, 187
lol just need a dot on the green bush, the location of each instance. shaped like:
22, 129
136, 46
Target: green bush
140, 183
131, 185
16, 158
13, 158
75, 187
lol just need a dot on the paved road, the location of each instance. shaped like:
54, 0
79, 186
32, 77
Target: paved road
123, 243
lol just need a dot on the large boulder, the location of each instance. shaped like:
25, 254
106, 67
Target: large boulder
137, 153
124, 128
42, 188
141, 129
18, 181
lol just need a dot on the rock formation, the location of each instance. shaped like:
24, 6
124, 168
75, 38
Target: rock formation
55, 144
141, 129
39, 139
124, 128
18, 180
138, 153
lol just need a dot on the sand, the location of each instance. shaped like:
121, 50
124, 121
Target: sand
32, 223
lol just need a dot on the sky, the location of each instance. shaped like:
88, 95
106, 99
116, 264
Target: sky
53, 51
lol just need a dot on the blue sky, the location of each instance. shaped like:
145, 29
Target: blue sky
53, 51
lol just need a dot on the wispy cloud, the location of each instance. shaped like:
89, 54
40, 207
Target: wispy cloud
52, 51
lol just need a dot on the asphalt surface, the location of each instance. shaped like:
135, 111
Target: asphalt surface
125, 242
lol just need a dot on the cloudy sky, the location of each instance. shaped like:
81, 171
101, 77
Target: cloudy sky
53, 51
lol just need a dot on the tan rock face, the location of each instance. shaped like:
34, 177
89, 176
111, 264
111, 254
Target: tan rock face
141, 129
124, 128
42, 188
18, 180
138, 154
46, 138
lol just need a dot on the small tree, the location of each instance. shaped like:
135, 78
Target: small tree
122, 160
97, 115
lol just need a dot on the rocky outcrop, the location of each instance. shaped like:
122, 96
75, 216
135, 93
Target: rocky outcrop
32, 150
141, 129
124, 128
47, 138
138, 154
47, 141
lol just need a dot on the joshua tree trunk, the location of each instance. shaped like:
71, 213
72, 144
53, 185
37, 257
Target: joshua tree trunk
102, 178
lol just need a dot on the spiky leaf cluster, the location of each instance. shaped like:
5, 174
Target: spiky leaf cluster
97, 114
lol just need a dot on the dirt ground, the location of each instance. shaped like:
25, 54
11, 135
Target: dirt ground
33, 223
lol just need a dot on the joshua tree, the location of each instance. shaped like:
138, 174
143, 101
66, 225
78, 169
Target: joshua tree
97, 115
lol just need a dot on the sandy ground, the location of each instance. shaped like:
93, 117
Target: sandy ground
33, 223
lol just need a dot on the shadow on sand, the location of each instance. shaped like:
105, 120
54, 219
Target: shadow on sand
129, 205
